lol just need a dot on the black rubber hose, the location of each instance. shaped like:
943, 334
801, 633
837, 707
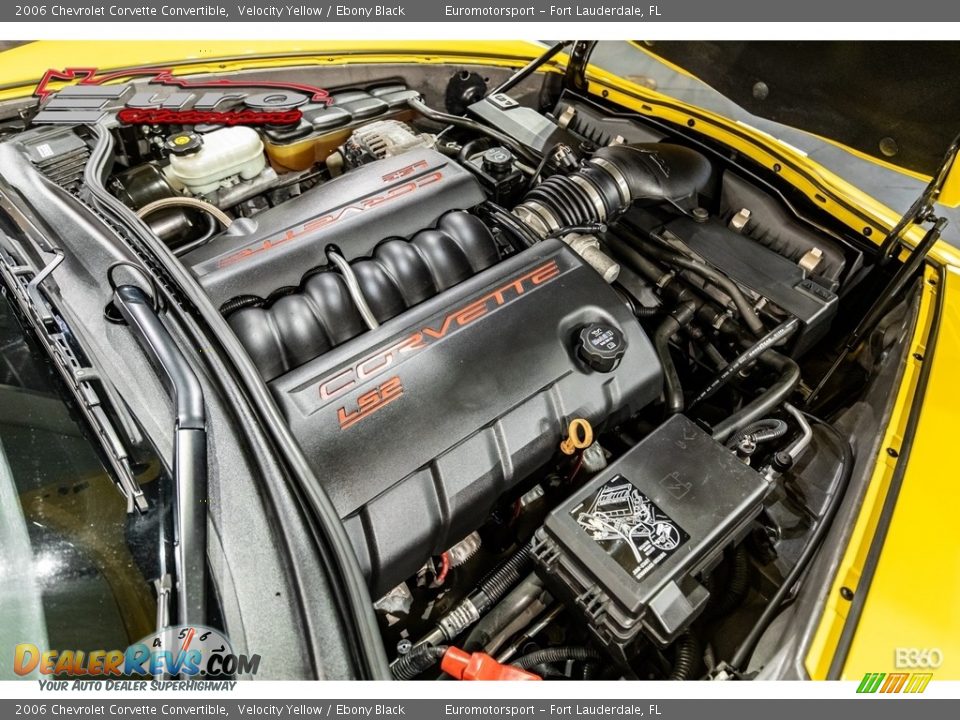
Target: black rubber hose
614, 178
643, 311
760, 431
417, 105
547, 672
767, 401
672, 257
710, 350
504, 613
469, 148
538, 170
672, 389
737, 583
779, 333
586, 229
658, 171
639, 310
555, 654
653, 272
688, 657
742, 656
418, 660
568, 202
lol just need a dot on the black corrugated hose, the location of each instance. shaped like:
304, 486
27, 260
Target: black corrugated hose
419, 659
737, 584
499, 583
688, 656
555, 654
239, 303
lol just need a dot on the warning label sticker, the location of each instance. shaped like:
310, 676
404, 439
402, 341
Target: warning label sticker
629, 526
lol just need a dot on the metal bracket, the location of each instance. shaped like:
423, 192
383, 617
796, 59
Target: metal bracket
40, 306
575, 78
922, 209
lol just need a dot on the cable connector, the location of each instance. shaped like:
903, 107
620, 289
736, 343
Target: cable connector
462, 665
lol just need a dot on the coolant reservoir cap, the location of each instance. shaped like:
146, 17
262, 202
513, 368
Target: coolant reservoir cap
185, 143
601, 346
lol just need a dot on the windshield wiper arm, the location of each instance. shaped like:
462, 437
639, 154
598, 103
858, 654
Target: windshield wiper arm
189, 450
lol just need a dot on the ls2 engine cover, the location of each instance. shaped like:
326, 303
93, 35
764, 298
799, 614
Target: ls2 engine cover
417, 427
393, 197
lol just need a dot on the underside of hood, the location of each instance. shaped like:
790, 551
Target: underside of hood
896, 101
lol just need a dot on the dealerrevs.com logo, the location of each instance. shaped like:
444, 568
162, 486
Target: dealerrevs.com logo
184, 651
84, 96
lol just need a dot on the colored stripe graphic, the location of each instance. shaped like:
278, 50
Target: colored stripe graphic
918, 682
871, 682
894, 683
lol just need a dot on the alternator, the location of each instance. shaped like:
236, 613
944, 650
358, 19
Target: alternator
383, 139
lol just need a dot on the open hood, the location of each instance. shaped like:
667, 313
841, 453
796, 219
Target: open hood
896, 101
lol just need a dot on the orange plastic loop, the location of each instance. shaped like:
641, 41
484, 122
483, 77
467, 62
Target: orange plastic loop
579, 436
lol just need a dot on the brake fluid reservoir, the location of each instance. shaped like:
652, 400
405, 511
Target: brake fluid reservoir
200, 163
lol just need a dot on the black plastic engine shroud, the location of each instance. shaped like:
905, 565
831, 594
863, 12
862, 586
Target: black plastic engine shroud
416, 428
396, 196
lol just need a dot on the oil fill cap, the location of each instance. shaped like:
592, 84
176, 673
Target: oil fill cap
601, 346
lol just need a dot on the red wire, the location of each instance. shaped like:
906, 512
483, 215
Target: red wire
444, 568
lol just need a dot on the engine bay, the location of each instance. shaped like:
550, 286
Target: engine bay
543, 356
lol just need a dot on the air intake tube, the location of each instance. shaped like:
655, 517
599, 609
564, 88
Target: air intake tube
610, 181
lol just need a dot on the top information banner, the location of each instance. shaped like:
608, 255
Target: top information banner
479, 11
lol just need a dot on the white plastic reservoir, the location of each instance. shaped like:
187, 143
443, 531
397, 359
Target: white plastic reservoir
225, 153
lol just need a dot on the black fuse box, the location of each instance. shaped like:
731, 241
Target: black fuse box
627, 550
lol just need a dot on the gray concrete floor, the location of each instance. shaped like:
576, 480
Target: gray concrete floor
890, 187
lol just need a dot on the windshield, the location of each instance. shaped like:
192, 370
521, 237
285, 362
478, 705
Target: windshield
69, 578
